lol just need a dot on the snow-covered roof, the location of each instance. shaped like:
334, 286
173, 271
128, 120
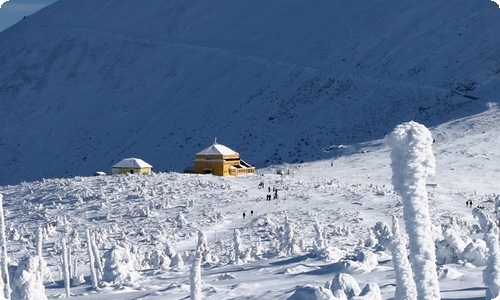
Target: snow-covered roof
218, 149
132, 163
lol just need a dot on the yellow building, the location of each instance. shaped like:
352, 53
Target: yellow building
221, 161
131, 165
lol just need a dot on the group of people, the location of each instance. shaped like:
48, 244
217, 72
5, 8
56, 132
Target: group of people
468, 203
269, 196
244, 214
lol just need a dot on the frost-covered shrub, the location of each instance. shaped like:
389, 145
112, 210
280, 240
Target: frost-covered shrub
180, 221
28, 280
319, 244
288, 242
382, 234
176, 261
118, 266
257, 249
155, 259
445, 254
341, 230
450, 249
476, 253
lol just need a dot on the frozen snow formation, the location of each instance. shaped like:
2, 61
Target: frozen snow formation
28, 280
312, 293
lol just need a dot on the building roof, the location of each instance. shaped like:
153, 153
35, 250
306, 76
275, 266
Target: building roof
132, 163
218, 149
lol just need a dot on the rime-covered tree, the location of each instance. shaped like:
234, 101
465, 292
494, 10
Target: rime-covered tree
491, 274
412, 161
3, 254
319, 242
288, 244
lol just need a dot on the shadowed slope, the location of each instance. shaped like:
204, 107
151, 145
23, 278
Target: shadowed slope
85, 84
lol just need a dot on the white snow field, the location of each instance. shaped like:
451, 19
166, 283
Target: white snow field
277, 253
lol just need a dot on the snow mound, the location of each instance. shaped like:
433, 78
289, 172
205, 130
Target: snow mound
226, 276
449, 273
370, 292
345, 283
311, 293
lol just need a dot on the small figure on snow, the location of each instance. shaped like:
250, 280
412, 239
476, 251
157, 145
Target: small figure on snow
251, 213
244, 215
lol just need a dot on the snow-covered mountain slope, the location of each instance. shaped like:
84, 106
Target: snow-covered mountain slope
347, 199
85, 84
12, 11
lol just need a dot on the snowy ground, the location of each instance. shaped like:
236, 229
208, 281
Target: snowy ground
351, 192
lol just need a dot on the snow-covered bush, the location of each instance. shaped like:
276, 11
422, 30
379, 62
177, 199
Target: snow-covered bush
319, 244
206, 254
118, 266
451, 248
180, 220
341, 230
155, 259
476, 253
28, 280
382, 234
257, 249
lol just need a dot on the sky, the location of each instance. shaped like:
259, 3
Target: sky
14, 10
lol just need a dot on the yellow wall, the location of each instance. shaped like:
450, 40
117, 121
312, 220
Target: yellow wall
220, 165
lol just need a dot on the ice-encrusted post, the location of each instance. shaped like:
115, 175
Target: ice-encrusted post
412, 161
3, 256
405, 286
93, 275
195, 274
65, 266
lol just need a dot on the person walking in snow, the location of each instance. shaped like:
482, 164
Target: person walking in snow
244, 215
251, 213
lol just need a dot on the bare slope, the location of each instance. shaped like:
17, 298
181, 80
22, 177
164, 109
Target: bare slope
84, 84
